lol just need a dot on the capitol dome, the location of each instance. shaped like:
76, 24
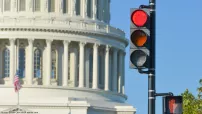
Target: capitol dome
71, 61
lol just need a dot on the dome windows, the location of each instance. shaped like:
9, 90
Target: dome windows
65, 6
21, 64
51, 5
37, 63
89, 8
22, 5
7, 5
78, 5
99, 9
6, 60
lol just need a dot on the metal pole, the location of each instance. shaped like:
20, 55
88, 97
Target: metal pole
151, 76
18, 100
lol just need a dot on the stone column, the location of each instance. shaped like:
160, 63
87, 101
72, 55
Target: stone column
123, 71
29, 5
73, 10
12, 59
73, 68
95, 67
84, 8
106, 87
48, 62
81, 64
61, 4
44, 6
30, 62
114, 87
13, 6
120, 72
94, 9
65, 63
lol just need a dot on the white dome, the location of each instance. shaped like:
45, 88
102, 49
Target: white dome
68, 56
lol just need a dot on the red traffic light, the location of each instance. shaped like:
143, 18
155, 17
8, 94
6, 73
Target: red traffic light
173, 105
139, 17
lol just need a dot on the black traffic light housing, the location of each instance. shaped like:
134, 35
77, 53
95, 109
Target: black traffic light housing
139, 38
173, 105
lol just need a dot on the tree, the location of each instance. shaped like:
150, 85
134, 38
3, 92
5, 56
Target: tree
192, 104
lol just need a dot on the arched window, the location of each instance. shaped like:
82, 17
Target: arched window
65, 6
22, 5
37, 5
7, 5
37, 63
54, 64
6, 59
21, 64
78, 5
51, 5
89, 8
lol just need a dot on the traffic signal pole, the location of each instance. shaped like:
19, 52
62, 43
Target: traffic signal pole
143, 50
152, 68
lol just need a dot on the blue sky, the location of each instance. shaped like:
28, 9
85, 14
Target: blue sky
178, 49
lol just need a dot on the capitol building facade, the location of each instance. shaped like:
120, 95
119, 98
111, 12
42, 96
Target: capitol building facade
70, 60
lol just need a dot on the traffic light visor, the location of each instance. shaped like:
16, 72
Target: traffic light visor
138, 58
139, 18
139, 38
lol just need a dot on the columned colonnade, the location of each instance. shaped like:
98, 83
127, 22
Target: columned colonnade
112, 62
98, 9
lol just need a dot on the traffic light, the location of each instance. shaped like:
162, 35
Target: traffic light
139, 38
172, 105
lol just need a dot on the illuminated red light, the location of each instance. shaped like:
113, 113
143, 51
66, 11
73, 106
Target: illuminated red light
139, 17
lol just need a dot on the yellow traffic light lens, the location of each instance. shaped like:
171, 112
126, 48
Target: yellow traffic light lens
139, 38
138, 58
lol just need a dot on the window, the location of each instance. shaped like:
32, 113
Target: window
22, 5
65, 6
21, 64
78, 7
98, 9
37, 5
6, 60
89, 8
37, 63
7, 5
51, 5
91, 66
53, 71
100, 68
105, 11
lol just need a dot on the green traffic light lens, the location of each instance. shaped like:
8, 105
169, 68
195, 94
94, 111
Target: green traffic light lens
138, 58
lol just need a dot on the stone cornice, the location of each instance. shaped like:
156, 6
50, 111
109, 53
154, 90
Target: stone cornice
99, 91
59, 34
48, 106
61, 25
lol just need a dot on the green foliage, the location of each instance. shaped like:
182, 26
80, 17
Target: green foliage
192, 104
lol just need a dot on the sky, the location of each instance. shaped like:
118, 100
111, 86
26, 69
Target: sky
178, 49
